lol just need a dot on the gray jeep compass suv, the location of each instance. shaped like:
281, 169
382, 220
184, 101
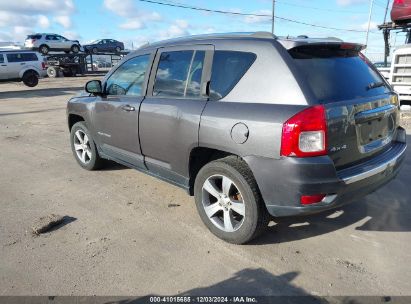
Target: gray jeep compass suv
252, 125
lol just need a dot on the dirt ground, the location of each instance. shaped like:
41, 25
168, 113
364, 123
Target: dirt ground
127, 233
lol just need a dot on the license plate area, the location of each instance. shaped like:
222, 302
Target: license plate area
375, 133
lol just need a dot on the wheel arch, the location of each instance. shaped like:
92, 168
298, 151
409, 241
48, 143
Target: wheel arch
74, 118
29, 70
199, 157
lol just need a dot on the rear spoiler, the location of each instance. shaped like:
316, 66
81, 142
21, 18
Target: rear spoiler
312, 42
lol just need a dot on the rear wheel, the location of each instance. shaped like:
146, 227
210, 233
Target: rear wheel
83, 147
229, 202
30, 79
44, 49
118, 49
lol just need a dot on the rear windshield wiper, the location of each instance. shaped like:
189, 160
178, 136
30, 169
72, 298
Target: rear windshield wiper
374, 85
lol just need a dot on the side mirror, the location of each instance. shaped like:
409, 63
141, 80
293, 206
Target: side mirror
94, 87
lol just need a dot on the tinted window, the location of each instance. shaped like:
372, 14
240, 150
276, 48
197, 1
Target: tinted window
228, 68
172, 73
20, 57
335, 75
34, 37
1, 58
128, 79
193, 84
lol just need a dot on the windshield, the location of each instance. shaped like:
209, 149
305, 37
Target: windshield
334, 74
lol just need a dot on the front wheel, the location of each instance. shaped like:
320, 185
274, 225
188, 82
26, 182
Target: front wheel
44, 49
229, 202
83, 147
75, 48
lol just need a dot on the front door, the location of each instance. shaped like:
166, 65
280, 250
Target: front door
116, 116
15, 64
170, 114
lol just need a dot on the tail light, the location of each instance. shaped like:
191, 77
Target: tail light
305, 134
43, 65
398, 2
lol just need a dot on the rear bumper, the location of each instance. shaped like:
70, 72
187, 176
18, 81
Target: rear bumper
282, 182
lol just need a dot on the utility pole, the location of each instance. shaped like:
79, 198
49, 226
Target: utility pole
369, 23
273, 18
386, 10
386, 34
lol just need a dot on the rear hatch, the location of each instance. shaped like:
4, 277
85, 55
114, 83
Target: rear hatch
361, 109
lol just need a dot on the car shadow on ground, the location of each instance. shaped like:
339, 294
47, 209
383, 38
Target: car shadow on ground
110, 165
33, 92
388, 209
246, 284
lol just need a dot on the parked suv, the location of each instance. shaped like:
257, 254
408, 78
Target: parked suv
51, 42
18, 65
250, 124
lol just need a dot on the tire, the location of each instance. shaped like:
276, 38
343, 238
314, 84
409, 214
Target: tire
242, 196
94, 50
75, 48
30, 79
52, 72
44, 49
87, 158
118, 49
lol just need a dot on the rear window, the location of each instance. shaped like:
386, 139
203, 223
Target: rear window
21, 57
33, 36
228, 68
334, 74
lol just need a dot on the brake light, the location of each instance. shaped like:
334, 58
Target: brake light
399, 2
305, 134
311, 199
43, 65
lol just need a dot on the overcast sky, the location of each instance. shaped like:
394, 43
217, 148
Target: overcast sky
133, 21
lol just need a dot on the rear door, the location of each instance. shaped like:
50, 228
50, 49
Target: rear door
362, 110
170, 114
116, 118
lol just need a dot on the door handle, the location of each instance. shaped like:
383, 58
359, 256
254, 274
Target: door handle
128, 108
23, 63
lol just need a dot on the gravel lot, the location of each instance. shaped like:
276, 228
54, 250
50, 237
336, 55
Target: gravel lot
129, 234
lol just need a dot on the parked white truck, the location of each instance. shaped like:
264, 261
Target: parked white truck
400, 73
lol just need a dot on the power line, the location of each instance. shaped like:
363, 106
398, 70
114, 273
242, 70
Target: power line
320, 8
249, 15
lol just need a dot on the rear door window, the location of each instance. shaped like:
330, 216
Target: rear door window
179, 74
21, 57
228, 68
334, 74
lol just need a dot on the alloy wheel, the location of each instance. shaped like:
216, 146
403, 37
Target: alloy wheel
223, 203
82, 146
